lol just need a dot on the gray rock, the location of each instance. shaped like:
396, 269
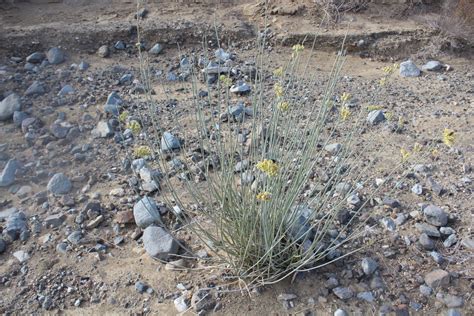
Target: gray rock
401, 219
343, 188
437, 257
9, 105
391, 202
366, 296
4, 214
369, 265
343, 293
375, 117
54, 220
447, 231
417, 189
435, 215
36, 88
75, 237
340, 312
389, 224
113, 104
102, 130
140, 287
158, 243
301, 228
432, 65
425, 290
18, 117
426, 242
55, 56
150, 178
16, 224
409, 69
437, 278
333, 148
451, 301
7, 177
169, 142
21, 256
36, 58
429, 230
240, 87
241, 165
222, 55
180, 304
103, 51
119, 45
435, 187
202, 300
453, 312
468, 243
450, 241
61, 247
83, 66
146, 212
59, 184
67, 89
60, 130
156, 49
353, 199
3, 246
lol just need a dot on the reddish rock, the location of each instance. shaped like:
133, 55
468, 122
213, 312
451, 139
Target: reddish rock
125, 217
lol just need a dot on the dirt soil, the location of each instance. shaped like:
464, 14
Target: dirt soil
99, 274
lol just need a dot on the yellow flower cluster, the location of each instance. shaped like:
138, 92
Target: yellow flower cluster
134, 126
383, 81
123, 117
405, 154
345, 113
283, 106
448, 137
297, 48
268, 166
278, 72
278, 90
142, 151
264, 196
345, 97
389, 115
417, 148
390, 69
226, 81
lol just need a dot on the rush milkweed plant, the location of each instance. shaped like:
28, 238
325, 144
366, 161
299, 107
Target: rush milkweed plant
248, 180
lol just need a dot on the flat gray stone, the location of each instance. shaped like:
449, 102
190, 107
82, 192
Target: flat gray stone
9, 105
435, 215
369, 266
344, 293
102, 130
375, 117
59, 184
36, 58
146, 212
437, 278
428, 229
36, 88
159, 243
432, 65
156, 49
409, 69
113, 104
169, 142
55, 56
7, 177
